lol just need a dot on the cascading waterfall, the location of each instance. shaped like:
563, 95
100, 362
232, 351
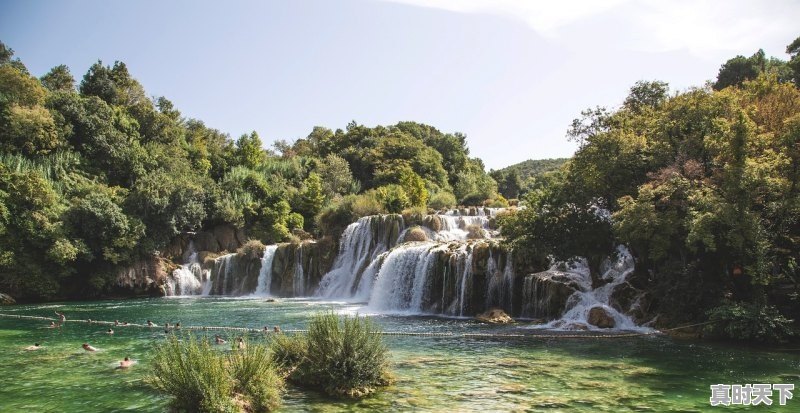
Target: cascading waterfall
189, 278
581, 302
265, 273
299, 278
362, 242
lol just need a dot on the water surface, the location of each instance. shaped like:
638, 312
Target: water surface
531, 374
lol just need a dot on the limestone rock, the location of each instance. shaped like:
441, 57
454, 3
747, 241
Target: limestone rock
495, 316
599, 317
6, 299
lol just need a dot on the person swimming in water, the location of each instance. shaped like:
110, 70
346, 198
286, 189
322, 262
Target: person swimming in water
218, 339
53, 325
87, 347
150, 323
61, 317
276, 329
240, 345
110, 331
116, 322
35, 346
124, 364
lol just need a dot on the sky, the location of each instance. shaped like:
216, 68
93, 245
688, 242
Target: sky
510, 74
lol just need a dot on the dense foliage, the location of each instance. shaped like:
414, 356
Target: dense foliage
702, 185
96, 176
519, 179
340, 356
201, 379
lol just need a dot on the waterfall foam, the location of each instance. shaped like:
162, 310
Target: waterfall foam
265, 273
189, 278
581, 302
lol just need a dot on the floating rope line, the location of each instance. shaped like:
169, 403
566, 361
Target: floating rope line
386, 333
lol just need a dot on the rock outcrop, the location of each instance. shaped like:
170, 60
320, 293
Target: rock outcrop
599, 317
545, 293
495, 316
143, 277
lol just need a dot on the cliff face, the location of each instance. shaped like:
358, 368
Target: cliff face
143, 277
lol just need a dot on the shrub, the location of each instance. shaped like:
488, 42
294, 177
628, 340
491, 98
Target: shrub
294, 221
336, 216
340, 356
415, 233
368, 203
201, 379
193, 375
414, 215
257, 381
475, 232
499, 202
442, 200
393, 198
749, 322
251, 249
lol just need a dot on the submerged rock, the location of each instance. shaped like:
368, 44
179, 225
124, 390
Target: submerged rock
599, 317
495, 316
6, 299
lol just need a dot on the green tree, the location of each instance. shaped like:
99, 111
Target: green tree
249, 152
59, 78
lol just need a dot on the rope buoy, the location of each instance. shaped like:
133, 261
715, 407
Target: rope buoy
386, 333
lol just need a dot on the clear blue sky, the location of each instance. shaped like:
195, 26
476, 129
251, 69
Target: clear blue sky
509, 74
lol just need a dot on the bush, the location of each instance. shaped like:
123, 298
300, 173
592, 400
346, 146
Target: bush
251, 249
415, 234
499, 202
340, 356
193, 375
414, 215
475, 232
368, 203
749, 322
393, 198
202, 380
442, 200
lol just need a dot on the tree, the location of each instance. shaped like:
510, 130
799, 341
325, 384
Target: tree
98, 81
58, 79
249, 152
312, 198
646, 95
338, 180
414, 187
793, 50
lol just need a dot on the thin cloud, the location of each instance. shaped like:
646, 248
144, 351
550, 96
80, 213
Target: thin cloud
651, 25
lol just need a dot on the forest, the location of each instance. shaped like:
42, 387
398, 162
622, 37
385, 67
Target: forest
700, 184
96, 174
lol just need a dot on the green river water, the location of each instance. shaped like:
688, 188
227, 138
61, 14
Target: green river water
647, 373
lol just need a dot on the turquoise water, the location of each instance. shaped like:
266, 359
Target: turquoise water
650, 373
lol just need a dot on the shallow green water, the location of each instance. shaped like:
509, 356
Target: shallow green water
433, 374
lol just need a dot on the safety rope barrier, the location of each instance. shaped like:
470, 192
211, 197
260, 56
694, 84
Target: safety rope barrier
386, 333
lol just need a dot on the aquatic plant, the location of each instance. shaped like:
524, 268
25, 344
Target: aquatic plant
201, 379
341, 356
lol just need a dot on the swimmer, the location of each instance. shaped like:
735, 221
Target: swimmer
150, 323
110, 331
116, 322
53, 325
35, 346
124, 364
240, 345
218, 339
276, 329
177, 325
61, 317
87, 347
90, 321
125, 323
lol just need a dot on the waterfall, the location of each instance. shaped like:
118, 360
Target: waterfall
299, 279
189, 278
222, 274
265, 273
362, 242
581, 302
402, 277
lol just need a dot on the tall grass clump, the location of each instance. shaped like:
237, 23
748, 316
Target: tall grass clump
343, 357
200, 379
